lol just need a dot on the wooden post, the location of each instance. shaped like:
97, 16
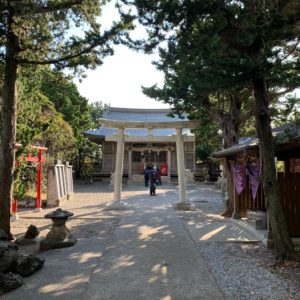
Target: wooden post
169, 165
129, 164
236, 213
39, 182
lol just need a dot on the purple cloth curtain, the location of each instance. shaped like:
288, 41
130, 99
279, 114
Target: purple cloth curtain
253, 173
239, 177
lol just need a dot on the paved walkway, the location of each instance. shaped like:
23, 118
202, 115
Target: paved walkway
151, 255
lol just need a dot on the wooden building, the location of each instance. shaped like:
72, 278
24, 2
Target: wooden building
288, 157
143, 145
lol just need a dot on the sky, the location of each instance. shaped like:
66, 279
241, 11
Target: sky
119, 80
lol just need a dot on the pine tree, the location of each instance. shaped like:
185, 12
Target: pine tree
64, 34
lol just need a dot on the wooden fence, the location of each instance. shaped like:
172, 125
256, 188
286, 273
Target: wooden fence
289, 185
289, 188
247, 202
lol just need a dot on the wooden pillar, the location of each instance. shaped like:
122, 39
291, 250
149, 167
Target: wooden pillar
129, 164
39, 182
223, 187
236, 207
169, 165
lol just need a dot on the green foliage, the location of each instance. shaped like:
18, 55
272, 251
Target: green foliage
203, 152
38, 121
96, 111
63, 93
207, 130
287, 135
208, 54
286, 111
52, 113
21, 185
65, 33
193, 82
58, 138
25, 173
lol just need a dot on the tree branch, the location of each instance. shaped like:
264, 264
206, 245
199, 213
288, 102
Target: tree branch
97, 42
57, 60
41, 9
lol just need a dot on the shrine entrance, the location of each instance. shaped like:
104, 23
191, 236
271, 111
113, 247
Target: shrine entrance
144, 154
150, 149
155, 158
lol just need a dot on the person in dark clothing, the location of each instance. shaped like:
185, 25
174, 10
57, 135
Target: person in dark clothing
152, 177
147, 173
158, 177
146, 176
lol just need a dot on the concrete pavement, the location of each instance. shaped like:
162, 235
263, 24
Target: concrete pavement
151, 255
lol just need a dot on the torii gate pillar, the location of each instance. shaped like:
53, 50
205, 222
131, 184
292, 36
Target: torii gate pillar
182, 204
119, 165
121, 125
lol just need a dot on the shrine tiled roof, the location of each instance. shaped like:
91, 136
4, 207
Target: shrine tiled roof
135, 114
132, 114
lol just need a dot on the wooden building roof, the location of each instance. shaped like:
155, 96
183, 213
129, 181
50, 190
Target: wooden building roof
288, 143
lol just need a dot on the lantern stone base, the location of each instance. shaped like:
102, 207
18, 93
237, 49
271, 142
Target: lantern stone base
14, 217
58, 237
184, 206
116, 205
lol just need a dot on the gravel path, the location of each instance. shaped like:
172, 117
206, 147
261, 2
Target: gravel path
242, 270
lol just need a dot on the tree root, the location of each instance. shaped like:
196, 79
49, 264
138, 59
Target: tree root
227, 213
290, 256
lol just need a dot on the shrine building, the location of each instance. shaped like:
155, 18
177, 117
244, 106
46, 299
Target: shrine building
150, 136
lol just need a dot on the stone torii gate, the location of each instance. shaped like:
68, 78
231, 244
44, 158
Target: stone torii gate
120, 137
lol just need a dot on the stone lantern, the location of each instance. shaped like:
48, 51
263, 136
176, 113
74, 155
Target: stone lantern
59, 235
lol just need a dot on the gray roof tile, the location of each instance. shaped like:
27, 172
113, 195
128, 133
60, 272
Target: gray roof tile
147, 115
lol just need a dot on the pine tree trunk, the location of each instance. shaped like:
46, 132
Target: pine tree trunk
230, 190
282, 241
8, 132
230, 132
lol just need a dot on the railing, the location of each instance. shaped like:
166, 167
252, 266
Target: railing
60, 183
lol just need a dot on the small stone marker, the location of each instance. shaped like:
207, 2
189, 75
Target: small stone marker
29, 237
59, 235
32, 232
